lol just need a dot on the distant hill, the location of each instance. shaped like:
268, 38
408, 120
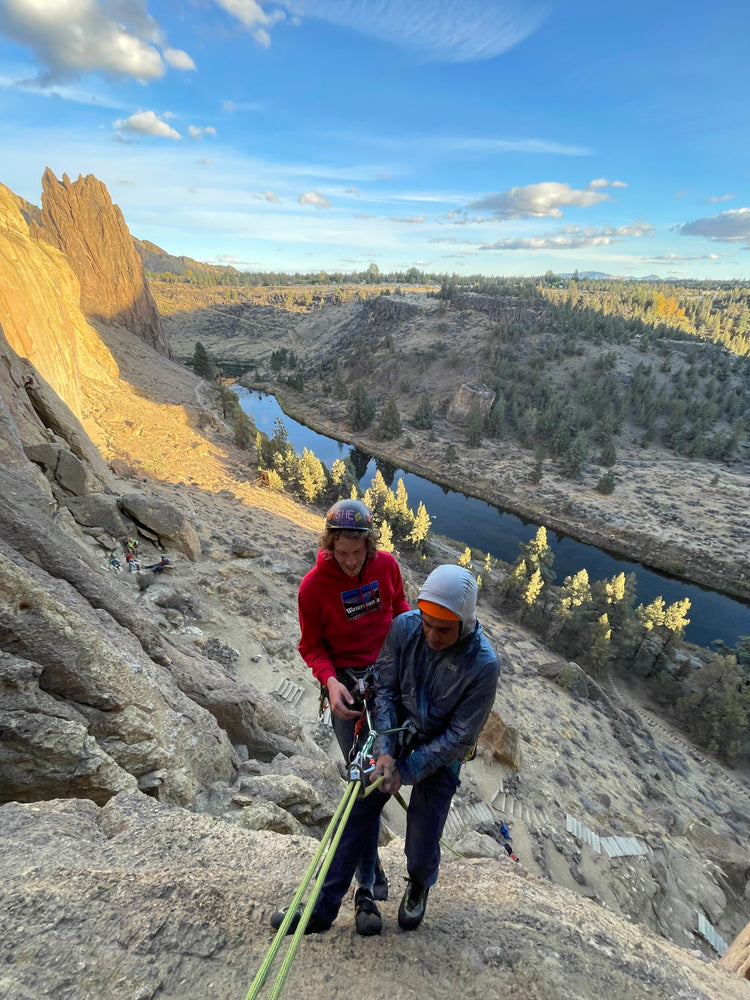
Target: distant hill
158, 261
603, 276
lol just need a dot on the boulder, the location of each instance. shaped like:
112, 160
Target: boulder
479, 845
737, 956
63, 466
268, 816
99, 510
248, 716
46, 750
501, 741
172, 528
467, 396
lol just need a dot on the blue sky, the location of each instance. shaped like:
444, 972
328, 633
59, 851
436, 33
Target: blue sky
460, 136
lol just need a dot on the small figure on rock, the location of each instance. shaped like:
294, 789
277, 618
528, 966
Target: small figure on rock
133, 564
161, 565
133, 545
114, 563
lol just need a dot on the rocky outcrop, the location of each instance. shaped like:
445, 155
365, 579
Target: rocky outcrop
124, 709
40, 312
135, 899
501, 742
506, 309
737, 957
165, 521
80, 219
465, 398
93, 700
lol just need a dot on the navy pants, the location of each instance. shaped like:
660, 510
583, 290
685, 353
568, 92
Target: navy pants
344, 732
425, 818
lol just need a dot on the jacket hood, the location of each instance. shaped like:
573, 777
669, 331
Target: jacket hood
454, 588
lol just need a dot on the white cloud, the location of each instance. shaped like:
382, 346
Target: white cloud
205, 161
71, 37
573, 238
672, 257
720, 197
732, 226
484, 145
314, 198
444, 30
538, 201
242, 106
147, 123
178, 59
602, 182
197, 133
252, 16
413, 219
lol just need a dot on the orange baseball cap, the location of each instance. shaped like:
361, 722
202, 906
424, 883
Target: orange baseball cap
438, 611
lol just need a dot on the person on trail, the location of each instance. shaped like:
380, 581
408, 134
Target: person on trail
435, 677
133, 545
346, 604
133, 564
160, 566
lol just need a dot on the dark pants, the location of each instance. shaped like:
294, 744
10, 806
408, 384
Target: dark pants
344, 732
425, 818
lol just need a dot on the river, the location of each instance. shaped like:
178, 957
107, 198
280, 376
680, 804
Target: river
480, 525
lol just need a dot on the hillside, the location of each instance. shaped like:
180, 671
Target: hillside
682, 514
163, 769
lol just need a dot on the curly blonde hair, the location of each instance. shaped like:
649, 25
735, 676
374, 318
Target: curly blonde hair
371, 537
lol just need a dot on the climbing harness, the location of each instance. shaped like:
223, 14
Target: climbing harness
360, 768
359, 684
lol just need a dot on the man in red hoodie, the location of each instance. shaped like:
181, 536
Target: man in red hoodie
346, 605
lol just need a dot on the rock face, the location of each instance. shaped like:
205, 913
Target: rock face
135, 899
80, 219
737, 958
40, 293
465, 398
164, 520
501, 741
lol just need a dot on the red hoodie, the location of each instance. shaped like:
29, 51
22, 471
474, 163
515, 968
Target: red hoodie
344, 619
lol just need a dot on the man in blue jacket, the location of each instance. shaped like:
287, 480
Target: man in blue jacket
437, 674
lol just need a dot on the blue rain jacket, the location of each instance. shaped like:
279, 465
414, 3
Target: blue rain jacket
447, 696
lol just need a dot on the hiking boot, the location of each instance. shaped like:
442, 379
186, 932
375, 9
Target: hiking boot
367, 918
315, 925
380, 889
412, 906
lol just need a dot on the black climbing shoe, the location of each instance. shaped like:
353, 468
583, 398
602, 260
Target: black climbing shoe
367, 918
315, 925
412, 906
380, 889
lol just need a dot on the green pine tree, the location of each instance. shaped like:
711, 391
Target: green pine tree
389, 422
360, 408
203, 364
424, 417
